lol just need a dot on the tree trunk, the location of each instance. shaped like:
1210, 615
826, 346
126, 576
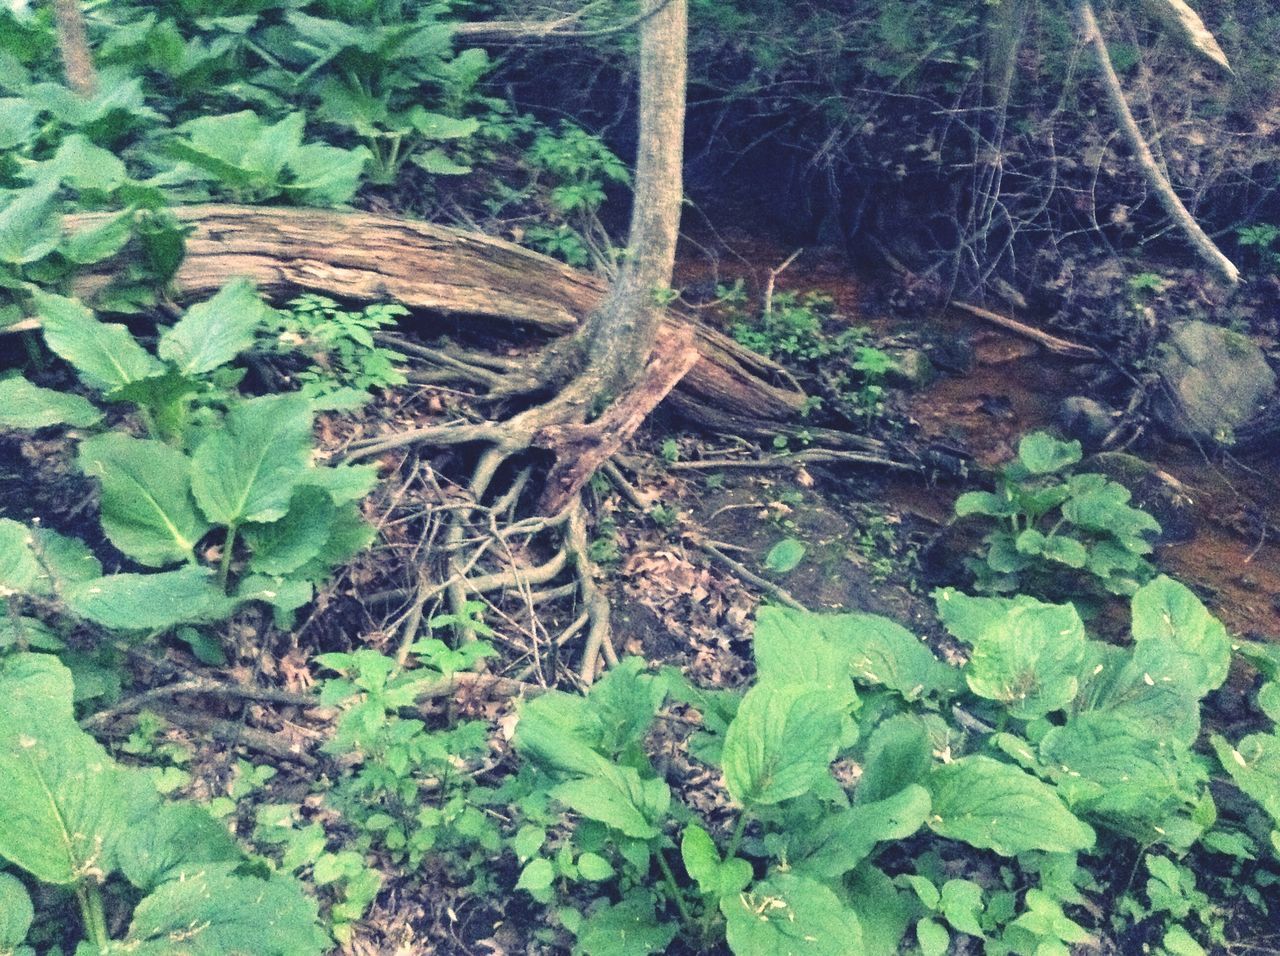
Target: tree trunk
1151, 171
472, 278
619, 336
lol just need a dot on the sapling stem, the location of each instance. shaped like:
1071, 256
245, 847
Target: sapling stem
91, 914
224, 565
739, 828
685, 916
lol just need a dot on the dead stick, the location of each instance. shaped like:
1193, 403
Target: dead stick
1051, 342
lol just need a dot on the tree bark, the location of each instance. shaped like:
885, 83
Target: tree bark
1151, 171
472, 278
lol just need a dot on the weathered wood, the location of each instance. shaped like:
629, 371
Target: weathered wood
365, 257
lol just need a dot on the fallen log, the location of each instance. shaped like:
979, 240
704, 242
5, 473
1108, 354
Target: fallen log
364, 257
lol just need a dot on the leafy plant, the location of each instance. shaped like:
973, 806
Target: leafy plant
346, 362
72, 817
1057, 532
214, 462
1262, 238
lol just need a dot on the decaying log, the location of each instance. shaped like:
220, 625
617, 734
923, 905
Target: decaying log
364, 257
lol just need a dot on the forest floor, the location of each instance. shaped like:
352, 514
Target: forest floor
661, 540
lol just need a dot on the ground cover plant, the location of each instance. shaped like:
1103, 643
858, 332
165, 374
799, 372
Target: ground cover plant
306, 641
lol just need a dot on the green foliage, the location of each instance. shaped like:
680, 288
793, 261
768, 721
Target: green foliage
214, 461
345, 362
848, 372
1058, 533
71, 816
1261, 237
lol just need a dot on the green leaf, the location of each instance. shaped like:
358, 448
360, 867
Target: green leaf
326, 175
784, 556
80, 164
594, 868
439, 127
995, 806
38, 561
16, 913
437, 162
214, 911
143, 602
283, 546
1254, 765
790, 648
1042, 454
177, 838
30, 225
843, 840
1029, 660
17, 122
715, 877
619, 798
63, 806
984, 503
1101, 505
884, 911
106, 355
781, 743
1169, 611
106, 239
214, 332
247, 471
966, 617
961, 903
789, 915
628, 928
933, 937
19, 569
344, 483
899, 753
1066, 551
881, 651
147, 508
528, 841
537, 875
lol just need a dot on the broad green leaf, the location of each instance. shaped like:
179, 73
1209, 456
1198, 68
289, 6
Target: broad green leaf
36, 684
788, 915
17, 122
790, 648
619, 798
326, 175
344, 483
1254, 765
213, 911
437, 162
1152, 691
785, 556
1101, 505
102, 241
1030, 660
966, 617
16, 913
1169, 611
961, 903
537, 875
593, 867
19, 569
247, 471
80, 164
881, 651
884, 911
284, 594
30, 225
437, 126
995, 806
1042, 454
147, 508
933, 937
843, 840
23, 405
63, 805
1132, 784
559, 732
106, 355
899, 753
984, 503
214, 332
528, 841
625, 702
1044, 917
781, 743
715, 877
176, 837
285, 545
627, 928
143, 602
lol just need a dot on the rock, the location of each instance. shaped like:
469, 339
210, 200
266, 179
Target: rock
1154, 491
1214, 381
1086, 420
952, 353
911, 370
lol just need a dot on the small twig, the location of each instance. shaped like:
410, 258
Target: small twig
778, 594
811, 456
773, 277
1054, 344
202, 687
598, 641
